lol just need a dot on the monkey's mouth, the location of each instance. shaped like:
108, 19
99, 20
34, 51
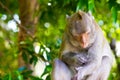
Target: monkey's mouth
84, 45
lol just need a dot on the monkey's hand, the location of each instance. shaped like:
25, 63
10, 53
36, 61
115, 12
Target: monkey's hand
80, 74
74, 77
75, 59
77, 77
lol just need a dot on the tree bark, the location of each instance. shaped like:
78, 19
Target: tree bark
28, 11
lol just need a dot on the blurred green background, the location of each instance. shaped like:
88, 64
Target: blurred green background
31, 34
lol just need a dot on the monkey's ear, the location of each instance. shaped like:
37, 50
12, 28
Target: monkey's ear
80, 14
67, 17
89, 13
79, 11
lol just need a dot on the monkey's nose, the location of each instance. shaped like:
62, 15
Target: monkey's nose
84, 45
84, 42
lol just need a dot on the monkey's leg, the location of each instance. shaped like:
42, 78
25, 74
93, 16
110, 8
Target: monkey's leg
60, 71
103, 72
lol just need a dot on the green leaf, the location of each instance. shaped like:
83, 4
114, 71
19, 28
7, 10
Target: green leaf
114, 13
25, 56
82, 5
35, 78
27, 72
48, 69
48, 77
7, 77
1, 15
19, 76
78, 6
66, 2
91, 5
33, 60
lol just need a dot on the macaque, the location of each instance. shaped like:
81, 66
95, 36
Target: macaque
85, 53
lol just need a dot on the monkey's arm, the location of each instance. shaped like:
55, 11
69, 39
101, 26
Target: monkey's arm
60, 71
75, 59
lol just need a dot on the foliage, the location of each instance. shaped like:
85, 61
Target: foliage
49, 33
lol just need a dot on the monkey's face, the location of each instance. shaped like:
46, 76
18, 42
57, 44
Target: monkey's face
82, 39
81, 30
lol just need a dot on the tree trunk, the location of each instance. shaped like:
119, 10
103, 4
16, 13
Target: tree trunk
28, 11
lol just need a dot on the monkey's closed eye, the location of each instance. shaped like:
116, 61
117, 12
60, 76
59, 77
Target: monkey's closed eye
88, 33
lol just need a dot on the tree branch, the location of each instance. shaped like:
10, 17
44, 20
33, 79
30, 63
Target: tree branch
19, 25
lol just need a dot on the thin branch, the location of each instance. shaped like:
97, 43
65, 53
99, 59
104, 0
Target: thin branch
19, 25
4, 7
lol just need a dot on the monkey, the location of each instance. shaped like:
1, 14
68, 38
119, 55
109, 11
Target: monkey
84, 50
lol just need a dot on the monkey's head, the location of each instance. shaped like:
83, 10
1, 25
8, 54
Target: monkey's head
80, 29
